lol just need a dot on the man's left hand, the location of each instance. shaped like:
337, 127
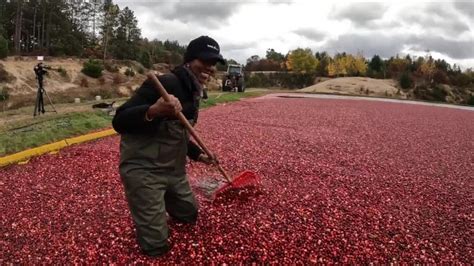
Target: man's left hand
204, 158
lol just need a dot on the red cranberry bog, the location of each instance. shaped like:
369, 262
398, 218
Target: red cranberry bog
349, 181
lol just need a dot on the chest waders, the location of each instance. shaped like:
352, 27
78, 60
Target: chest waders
153, 171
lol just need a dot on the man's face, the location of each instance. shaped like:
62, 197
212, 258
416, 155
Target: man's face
203, 69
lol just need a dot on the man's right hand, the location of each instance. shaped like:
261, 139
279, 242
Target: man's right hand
162, 108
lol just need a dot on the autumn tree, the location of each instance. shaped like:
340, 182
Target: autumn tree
427, 68
331, 68
396, 66
357, 65
302, 61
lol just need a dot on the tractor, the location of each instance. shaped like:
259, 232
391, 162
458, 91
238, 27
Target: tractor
233, 79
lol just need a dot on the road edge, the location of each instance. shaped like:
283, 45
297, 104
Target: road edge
53, 147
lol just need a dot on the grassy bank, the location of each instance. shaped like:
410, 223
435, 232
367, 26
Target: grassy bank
50, 128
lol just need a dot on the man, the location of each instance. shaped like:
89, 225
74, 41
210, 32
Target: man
154, 146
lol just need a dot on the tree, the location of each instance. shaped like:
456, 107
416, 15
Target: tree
302, 61
357, 65
376, 64
427, 68
251, 62
126, 41
275, 56
18, 20
396, 66
111, 13
406, 81
3, 47
324, 60
145, 59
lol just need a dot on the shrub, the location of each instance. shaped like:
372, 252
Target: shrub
111, 67
92, 68
3, 47
405, 81
4, 76
102, 80
84, 82
118, 78
461, 79
435, 94
280, 79
440, 77
4, 94
129, 72
62, 72
439, 94
471, 100
145, 60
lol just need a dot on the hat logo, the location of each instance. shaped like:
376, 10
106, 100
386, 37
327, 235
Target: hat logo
213, 47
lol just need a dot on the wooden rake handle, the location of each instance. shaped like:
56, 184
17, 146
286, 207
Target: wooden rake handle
185, 122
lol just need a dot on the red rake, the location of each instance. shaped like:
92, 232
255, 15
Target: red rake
246, 178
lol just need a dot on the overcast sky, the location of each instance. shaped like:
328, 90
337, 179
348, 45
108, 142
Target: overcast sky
250, 27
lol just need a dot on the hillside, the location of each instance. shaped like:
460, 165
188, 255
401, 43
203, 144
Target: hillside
66, 85
389, 88
356, 86
18, 76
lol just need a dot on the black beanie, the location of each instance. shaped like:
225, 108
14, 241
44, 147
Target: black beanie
204, 48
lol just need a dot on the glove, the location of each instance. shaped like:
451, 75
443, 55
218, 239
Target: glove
204, 158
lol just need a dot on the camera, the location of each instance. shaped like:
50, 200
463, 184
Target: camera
40, 70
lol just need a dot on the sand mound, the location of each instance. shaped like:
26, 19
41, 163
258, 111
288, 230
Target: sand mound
355, 85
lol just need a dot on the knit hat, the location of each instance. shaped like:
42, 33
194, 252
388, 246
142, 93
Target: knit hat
204, 48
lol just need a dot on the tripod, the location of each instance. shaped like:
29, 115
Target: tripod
39, 103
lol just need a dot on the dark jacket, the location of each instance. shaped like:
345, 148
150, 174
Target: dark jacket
130, 117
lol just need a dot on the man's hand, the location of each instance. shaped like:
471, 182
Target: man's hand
204, 158
162, 108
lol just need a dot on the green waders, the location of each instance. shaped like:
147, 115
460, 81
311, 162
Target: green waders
152, 168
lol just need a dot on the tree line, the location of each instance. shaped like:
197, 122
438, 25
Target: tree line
406, 69
91, 29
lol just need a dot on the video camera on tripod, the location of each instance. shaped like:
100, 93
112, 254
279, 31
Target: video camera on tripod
40, 71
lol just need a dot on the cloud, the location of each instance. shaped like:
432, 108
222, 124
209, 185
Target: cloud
280, 1
233, 46
465, 7
360, 13
311, 34
451, 48
208, 14
383, 28
368, 44
437, 18
390, 45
